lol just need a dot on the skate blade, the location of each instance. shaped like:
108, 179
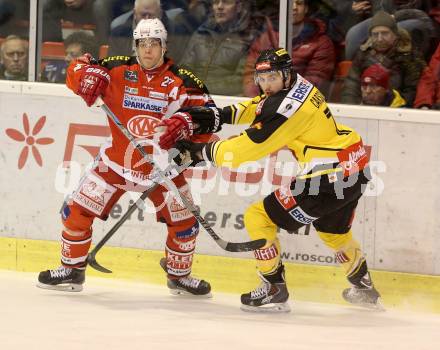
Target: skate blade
186, 294
268, 308
68, 287
374, 307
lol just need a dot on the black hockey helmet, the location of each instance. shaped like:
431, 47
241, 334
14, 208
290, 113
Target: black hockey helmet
275, 60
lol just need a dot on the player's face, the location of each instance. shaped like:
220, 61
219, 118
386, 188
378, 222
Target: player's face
270, 82
150, 52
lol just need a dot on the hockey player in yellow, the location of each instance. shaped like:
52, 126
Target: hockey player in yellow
290, 113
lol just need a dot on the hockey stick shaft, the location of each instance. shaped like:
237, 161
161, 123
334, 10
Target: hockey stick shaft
91, 257
229, 246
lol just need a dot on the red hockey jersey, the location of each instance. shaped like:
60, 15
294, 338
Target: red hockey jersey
140, 99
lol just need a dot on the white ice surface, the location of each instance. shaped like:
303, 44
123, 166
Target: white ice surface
122, 315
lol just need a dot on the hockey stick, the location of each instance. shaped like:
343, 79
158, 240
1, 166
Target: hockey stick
91, 257
229, 246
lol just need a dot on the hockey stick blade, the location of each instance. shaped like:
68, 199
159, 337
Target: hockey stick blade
243, 246
229, 246
91, 260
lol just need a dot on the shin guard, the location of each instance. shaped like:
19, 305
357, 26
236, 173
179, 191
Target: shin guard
259, 225
76, 236
350, 256
179, 250
74, 248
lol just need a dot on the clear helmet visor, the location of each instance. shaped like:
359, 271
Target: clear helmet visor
148, 43
268, 76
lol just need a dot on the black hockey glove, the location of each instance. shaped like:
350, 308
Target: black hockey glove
188, 153
206, 120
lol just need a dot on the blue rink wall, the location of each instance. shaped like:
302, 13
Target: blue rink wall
397, 221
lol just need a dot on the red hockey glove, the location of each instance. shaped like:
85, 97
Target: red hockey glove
93, 83
178, 127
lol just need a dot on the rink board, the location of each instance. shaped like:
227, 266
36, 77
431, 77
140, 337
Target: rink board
396, 221
233, 275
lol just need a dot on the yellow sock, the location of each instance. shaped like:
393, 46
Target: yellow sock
347, 249
259, 225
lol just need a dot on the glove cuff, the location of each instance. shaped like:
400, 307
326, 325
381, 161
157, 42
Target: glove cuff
186, 119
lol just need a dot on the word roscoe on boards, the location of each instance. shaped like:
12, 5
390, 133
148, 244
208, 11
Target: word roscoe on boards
307, 257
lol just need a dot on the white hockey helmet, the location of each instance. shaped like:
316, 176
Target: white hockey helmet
151, 28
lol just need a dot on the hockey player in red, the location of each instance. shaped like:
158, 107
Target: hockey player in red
143, 91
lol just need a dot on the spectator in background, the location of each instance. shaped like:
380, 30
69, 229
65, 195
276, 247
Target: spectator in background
121, 29
269, 8
341, 15
408, 14
76, 45
14, 59
217, 51
14, 18
313, 52
392, 48
79, 12
106, 11
434, 13
376, 90
428, 89
174, 8
193, 14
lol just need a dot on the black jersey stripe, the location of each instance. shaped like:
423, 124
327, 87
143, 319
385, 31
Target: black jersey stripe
321, 149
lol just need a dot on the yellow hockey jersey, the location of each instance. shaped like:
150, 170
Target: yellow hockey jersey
298, 119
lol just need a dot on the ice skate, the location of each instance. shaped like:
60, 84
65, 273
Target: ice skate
187, 285
365, 297
267, 297
362, 293
63, 279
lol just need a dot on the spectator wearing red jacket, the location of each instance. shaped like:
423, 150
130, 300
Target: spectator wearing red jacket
313, 52
428, 88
